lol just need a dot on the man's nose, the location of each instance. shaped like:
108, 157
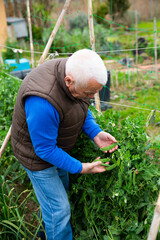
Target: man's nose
91, 95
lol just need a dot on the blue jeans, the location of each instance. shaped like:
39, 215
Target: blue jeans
50, 187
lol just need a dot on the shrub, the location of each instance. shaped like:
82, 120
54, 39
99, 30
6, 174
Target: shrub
8, 53
79, 21
101, 12
118, 7
151, 50
37, 33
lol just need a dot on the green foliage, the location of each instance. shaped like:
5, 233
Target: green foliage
13, 224
151, 50
42, 12
37, 33
14, 212
78, 39
79, 21
8, 53
117, 204
118, 7
9, 86
101, 12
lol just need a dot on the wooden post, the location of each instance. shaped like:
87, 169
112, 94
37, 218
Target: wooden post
124, 78
91, 26
41, 61
112, 80
92, 41
155, 222
116, 79
155, 46
1, 58
53, 34
30, 34
128, 70
136, 18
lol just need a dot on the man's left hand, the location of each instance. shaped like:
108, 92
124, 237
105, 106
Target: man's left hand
104, 139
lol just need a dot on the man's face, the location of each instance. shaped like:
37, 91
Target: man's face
86, 91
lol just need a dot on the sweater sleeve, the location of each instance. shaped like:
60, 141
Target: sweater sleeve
43, 123
90, 127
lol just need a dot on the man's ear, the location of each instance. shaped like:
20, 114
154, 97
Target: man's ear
69, 81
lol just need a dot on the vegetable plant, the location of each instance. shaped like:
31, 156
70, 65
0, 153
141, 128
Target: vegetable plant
117, 204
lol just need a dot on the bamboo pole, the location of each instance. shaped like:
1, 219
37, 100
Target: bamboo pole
6, 140
116, 79
1, 58
92, 41
66, 5
30, 34
136, 18
155, 47
112, 80
53, 34
128, 70
155, 222
91, 25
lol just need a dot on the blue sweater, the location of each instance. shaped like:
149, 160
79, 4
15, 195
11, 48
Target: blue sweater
43, 123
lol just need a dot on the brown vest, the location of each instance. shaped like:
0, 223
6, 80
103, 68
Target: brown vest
47, 81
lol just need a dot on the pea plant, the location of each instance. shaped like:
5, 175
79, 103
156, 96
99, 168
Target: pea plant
114, 205
117, 204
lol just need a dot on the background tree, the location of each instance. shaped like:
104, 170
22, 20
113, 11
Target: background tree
101, 12
117, 7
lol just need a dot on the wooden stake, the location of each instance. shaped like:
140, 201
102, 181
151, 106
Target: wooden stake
136, 38
116, 79
128, 70
124, 78
92, 41
6, 140
1, 58
30, 34
40, 62
155, 47
53, 34
91, 26
112, 80
155, 222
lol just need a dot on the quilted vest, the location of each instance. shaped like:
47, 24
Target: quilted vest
47, 81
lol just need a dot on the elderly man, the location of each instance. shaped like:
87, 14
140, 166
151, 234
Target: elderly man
50, 112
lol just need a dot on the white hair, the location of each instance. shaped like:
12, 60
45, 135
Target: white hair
84, 65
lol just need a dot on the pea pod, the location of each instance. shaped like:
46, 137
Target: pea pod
109, 147
103, 160
105, 165
110, 167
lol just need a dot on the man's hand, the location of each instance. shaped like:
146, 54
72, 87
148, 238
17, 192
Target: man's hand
94, 167
104, 139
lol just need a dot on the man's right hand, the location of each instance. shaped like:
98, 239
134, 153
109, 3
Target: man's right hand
94, 167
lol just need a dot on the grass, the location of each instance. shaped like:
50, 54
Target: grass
148, 26
128, 38
137, 101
